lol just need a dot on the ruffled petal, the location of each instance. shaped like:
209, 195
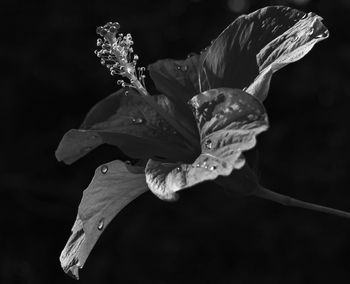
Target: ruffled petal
126, 120
113, 187
228, 122
258, 44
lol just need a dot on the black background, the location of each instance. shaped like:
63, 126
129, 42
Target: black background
50, 80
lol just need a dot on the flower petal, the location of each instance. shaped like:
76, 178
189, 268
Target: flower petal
228, 121
177, 79
113, 187
129, 122
256, 45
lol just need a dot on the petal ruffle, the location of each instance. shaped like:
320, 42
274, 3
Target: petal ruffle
126, 120
254, 46
228, 122
113, 187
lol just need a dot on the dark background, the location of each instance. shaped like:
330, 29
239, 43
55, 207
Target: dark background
50, 80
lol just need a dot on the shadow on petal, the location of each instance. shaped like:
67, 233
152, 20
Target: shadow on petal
113, 186
228, 122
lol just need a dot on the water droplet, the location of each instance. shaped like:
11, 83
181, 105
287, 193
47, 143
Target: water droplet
311, 31
208, 144
178, 169
212, 168
251, 117
138, 120
100, 225
235, 107
190, 54
104, 169
294, 38
198, 165
86, 149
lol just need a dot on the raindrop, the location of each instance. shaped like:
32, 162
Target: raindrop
104, 169
235, 107
251, 117
208, 144
190, 54
311, 31
294, 38
198, 165
138, 120
86, 149
100, 225
181, 67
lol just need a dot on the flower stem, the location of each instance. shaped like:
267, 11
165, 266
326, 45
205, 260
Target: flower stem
289, 201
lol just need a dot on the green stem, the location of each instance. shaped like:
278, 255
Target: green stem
289, 201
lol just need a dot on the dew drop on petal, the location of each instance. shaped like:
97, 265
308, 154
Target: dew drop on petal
294, 38
178, 169
86, 149
235, 107
138, 120
208, 144
184, 68
100, 225
104, 169
251, 117
213, 168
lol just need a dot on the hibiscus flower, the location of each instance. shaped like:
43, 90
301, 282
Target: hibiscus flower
210, 113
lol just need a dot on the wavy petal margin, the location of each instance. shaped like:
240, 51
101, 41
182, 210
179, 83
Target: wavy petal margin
228, 122
113, 186
254, 46
126, 120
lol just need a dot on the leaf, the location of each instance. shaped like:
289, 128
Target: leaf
249, 50
113, 186
130, 123
228, 122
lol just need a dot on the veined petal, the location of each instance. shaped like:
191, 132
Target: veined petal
114, 185
254, 46
177, 79
126, 120
228, 122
